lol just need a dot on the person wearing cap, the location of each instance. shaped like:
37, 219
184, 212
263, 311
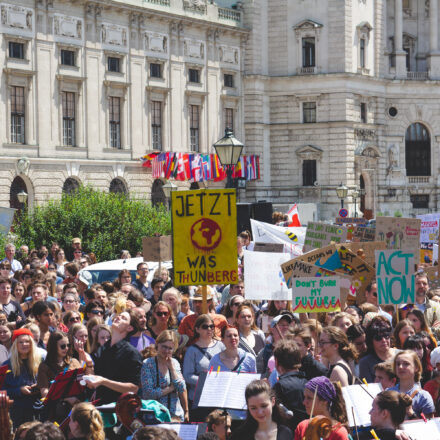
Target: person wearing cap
21, 381
76, 246
186, 326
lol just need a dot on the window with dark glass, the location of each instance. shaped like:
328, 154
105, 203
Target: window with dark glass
68, 118
229, 118
194, 75
308, 52
362, 52
117, 186
115, 121
70, 186
113, 64
156, 124
417, 150
16, 50
420, 201
155, 70
17, 115
228, 80
363, 112
408, 58
67, 57
309, 112
194, 127
309, 172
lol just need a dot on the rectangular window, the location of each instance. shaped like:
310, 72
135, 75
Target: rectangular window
309, 172
67, 57
228, 80
113, 64
194, 75
17, 115
156, 124
406, 4
408, 58
155, 70
69, 119
362, 52
229, 118
115, 121
363, 112
420, 201
16, 50
194, 127
308, 52
309, 112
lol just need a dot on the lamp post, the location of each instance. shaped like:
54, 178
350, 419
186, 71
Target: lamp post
167, 189
22, 197
342, 192
355, 194
228, 150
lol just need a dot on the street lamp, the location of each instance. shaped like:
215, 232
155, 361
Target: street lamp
355, 194
342, 192
228, 150
22, 198
167, 189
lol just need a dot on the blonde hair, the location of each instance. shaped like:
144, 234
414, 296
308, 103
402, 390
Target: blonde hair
33, 360
89, 421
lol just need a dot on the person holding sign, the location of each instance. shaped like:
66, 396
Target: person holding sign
264, 416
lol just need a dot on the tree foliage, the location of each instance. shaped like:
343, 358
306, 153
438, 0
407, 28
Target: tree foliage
105, 222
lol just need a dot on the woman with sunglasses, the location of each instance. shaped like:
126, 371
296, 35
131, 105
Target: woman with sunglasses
378, 347
57, 360
71, 318
162, 318
94, 308
231, 307
198, 356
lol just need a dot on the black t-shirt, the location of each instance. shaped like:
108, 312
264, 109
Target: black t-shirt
120, 362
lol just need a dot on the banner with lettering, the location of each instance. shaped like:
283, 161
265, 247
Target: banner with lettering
322, 234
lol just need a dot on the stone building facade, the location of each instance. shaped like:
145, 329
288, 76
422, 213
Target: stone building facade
88, 87
344, 91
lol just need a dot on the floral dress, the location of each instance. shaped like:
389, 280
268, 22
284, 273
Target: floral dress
153, 382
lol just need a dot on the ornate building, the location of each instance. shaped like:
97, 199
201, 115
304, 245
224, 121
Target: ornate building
344, 91
88, 87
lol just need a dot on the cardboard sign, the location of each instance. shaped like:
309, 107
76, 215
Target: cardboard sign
429, 231
433, 276
263, 278
321, 234
6, 219
363, 233
157, 248
297, 268
204, 237
399, 233
395, 276
326, 257
316, 294
351, 221
269, 247
368, 248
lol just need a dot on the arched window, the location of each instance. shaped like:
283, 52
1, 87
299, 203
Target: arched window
117, 186
17, 186
70, 185
157, 194
417, 150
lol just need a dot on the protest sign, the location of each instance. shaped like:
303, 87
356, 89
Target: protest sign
395, 276
429, 231
351, 221
269, 247
263, 278
157, 248
399, 233
433, 276
291, 237
321, 234
326, 257
296, 268
204, 237
363, 233
6, 219
316, 294
367, 248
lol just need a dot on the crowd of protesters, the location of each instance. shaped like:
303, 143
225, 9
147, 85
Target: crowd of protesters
140, 334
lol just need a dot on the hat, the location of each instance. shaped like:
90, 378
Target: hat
198, 294
21, 332
85, 277
76, 240
278, 318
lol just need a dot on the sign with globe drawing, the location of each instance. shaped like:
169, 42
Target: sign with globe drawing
204, 237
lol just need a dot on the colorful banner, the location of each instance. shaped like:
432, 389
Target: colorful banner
204, 236
395, 276
322, 234
297, 268
316, 294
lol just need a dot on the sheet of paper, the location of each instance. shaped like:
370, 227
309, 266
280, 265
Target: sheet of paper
358, 397
184, 431
239, 383
420, 430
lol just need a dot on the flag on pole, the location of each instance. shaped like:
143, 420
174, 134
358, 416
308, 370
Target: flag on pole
292, 213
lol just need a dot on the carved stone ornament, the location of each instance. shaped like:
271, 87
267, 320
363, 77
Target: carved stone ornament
365, 133
13, 16
23, 165
309, 152
307, 28
65, 26
228, 54
195, 5
156, 42
114, 35
194, 48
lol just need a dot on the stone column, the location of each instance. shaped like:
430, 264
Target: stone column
399, 53
434, 55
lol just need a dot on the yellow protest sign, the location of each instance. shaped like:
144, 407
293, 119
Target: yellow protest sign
204, 237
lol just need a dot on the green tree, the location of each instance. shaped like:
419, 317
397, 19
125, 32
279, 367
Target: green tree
105, 222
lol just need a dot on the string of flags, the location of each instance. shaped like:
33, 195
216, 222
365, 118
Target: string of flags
199, 167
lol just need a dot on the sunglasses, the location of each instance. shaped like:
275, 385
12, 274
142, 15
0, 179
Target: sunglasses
408, 307
236, 304
64, 346
382, 336
206, 326
77, 319
160, 314
78, 252
97, 312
